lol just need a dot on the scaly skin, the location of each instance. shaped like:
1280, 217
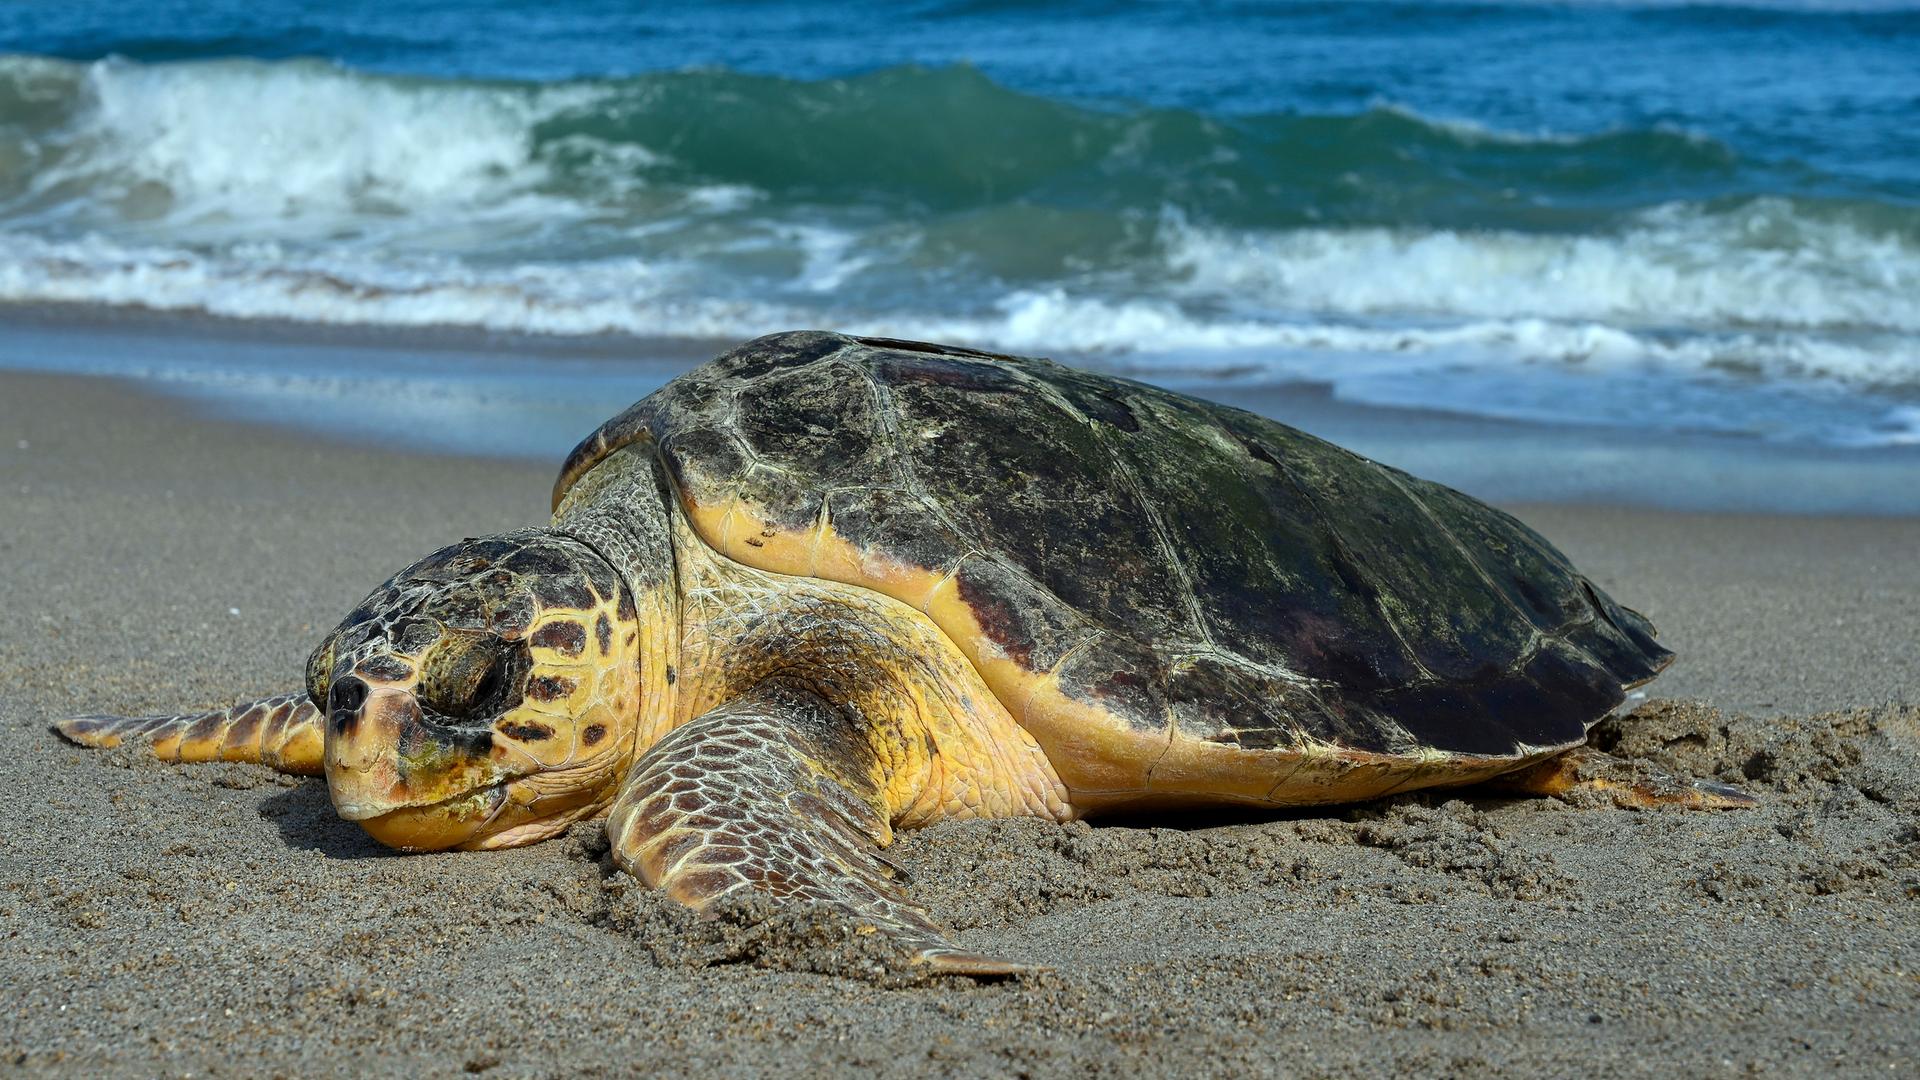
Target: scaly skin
282, 732
781, 791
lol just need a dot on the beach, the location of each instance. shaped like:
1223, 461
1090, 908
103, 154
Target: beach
218, 919
293, 294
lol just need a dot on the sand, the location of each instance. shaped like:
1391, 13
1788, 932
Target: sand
219, 920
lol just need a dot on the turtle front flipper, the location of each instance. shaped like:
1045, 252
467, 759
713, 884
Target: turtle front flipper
283, 732
779, 791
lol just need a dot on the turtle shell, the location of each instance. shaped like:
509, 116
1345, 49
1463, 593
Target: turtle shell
1173, 595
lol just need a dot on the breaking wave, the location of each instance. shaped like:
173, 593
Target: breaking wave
1399, 258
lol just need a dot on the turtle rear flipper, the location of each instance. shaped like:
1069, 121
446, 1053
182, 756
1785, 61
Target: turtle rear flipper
1631, 785
283, 732
781, 792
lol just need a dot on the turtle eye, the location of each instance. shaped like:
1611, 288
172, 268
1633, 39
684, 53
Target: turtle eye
490, 683
475, 680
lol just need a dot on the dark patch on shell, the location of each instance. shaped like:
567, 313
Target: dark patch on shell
819, 427
593, 734
563, 591
960, 374
603, 630
1031, 627
998, 620
1258, 451
1121, 678
566, 638
550, 687
525, 731
894, 520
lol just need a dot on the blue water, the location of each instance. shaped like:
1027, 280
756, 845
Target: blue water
1693, 218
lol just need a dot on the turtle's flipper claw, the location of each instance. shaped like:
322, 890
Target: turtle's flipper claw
1654, 790
103, 732
283, 732
951, 961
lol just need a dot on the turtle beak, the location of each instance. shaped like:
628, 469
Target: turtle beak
409, 788
364, 731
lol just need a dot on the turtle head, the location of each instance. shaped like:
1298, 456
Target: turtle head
486, 696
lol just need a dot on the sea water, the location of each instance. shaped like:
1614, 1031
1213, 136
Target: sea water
1688, 218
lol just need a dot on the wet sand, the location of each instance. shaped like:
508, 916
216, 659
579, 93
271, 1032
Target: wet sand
218, 919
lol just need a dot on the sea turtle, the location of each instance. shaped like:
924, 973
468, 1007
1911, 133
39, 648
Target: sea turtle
826, 587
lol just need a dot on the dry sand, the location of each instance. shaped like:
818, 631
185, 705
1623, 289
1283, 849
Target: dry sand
218, 919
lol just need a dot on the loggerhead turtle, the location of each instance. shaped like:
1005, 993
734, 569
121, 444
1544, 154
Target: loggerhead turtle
826, 587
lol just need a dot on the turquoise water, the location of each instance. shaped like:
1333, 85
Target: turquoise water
1691, 219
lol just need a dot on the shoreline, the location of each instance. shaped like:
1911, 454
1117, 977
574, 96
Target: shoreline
530, 397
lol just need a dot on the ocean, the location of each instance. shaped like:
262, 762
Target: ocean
1688, 218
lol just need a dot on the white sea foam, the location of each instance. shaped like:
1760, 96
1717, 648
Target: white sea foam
1763, 264
1472, 130
1899, 427
631, 295
1161, 338
267, 281
243, 140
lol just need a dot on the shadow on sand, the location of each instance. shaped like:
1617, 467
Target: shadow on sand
304, 815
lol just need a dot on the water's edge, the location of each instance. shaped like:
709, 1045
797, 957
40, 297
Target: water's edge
531, 397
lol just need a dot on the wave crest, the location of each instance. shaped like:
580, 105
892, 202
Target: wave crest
1765, 263
1399, 258
117, 138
